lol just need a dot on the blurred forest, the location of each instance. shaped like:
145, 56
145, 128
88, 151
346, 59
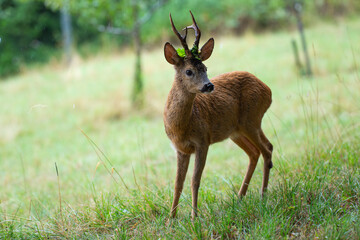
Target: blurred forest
31, 32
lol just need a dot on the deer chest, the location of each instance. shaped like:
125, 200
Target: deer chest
180, 142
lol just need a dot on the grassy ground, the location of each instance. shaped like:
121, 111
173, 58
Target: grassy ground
116, 167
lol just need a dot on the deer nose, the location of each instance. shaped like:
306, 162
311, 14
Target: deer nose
209, 87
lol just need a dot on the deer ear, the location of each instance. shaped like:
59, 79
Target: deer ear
170, 54
207, 49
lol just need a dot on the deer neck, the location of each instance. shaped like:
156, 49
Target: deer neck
178, 108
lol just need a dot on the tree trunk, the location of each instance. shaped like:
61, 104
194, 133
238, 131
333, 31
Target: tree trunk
65, 21
297, 58
137, 94
298, 9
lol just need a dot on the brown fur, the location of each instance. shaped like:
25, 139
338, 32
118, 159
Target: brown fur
193, 119
238, 102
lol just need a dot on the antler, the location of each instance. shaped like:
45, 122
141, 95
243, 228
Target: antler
196, 29
181, 38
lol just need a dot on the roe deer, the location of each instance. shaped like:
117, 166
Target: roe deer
199, 112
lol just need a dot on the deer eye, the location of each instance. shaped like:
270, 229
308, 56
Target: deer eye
189, 72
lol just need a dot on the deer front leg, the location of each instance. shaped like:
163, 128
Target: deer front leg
182, 167
200, 159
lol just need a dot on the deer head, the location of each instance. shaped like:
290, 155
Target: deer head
190, 71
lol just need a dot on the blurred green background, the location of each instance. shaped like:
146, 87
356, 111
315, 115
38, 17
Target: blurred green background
37, 31
31, 29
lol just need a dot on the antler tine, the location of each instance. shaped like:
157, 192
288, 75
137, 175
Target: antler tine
196, 29
181, 38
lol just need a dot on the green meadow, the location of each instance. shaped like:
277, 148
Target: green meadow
77, 161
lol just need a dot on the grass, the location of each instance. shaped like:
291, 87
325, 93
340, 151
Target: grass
115, 168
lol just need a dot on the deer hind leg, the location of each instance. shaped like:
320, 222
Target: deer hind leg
182, 167
259, 139
267, 161
268, 144
253, 154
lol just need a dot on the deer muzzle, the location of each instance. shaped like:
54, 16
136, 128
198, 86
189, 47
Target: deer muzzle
207, 88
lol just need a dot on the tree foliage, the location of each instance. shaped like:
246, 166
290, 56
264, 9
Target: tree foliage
30, 29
